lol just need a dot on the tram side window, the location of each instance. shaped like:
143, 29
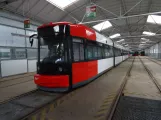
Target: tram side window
95, 52
89, 52
81, 52
111, 51
117, 52
106, 52
103, 52
99, 53
78, 52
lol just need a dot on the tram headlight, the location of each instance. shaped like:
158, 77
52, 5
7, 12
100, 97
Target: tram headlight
38, 68
60, 69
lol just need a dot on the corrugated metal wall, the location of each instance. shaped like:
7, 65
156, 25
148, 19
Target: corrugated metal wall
154, 51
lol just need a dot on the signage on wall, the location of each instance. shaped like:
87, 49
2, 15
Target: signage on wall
91, 11
27, 23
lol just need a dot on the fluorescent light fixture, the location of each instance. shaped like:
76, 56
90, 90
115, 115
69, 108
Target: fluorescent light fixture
148, 33
103, 25
145, 39
154, 19
123, 43
115, 35
62, 3
126, 45
121, 40
143, 42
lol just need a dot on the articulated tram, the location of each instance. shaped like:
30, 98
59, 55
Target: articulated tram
75, 56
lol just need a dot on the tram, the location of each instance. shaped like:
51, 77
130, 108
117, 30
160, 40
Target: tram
75, 55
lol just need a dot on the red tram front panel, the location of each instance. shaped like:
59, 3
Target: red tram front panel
55, 81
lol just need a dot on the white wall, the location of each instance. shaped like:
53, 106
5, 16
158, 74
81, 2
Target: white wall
104, 64
12, 36
12, 67
32, 65
154, 51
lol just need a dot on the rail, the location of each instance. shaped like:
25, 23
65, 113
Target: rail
151, 75
119, 93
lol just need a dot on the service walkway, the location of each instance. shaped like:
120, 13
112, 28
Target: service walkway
16, 85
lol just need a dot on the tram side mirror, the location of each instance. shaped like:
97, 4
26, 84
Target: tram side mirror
31, 39
31, 42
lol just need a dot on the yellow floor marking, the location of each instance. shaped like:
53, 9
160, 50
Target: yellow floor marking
100, 112
43, 114
100, 117
33, 117
51, 108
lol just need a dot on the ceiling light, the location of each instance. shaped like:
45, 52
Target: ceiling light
115, 35
123, 43
148, 33
103, 25
155, 19
120, 40
62, 3
143, 42
144, 39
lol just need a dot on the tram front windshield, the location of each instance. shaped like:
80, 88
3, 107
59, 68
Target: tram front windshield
52, 45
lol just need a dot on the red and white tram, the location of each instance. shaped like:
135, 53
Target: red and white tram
75, 56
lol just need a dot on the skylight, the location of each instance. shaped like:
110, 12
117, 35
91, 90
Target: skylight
148, 33
102, 25
62, 3
121, 40
144, 39
115, 35
154, 19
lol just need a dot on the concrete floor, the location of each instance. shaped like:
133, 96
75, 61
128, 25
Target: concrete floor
88, 99
139, 83
16, 85
154, 68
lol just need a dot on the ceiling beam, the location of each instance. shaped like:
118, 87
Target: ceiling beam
40, 11
32, 6
137, 36
125, 10
124, 17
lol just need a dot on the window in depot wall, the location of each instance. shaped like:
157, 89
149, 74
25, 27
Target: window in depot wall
20, 53
5, 53
32, 53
